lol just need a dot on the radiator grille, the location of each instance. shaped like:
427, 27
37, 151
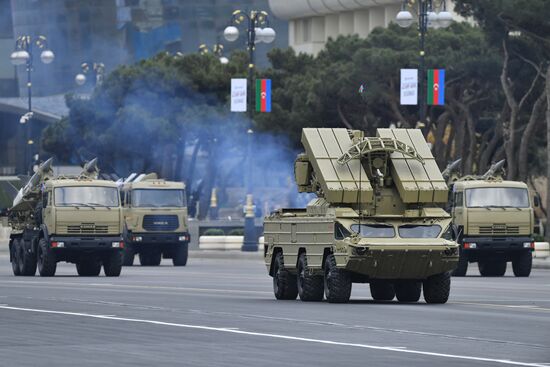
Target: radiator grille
498, 229
160, 222
87, 228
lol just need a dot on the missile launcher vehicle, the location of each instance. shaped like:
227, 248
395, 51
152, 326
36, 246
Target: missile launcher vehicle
73, 219
155, 215
493, 221
376, 219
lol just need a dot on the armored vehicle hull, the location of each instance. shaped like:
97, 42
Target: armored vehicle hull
375, 221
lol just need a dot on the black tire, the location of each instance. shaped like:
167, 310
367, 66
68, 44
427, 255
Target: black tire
437, 288
144, 259
180, 255
27, 261
14, 249
128, 254
155, 257
382, 290
407, 290
310, 287
492, 268
462, 266
522, 264
47, 263
284, 283
337, 282
88, 268
112, 264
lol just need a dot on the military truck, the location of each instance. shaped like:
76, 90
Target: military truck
155, 214
493, 222
74, 219
375, 220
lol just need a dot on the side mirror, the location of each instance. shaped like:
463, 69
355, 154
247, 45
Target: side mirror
536, 201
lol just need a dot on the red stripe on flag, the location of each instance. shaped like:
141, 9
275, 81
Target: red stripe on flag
263, 106
436, 87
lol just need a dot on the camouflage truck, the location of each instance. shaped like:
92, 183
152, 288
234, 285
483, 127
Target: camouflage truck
493, 222
375, 220
155, 215
74, 219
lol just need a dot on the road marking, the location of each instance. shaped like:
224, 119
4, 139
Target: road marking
525, 307
279, 336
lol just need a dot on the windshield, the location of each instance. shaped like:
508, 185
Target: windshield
374, 230
158, 198
419, 231
86, 196
497, 197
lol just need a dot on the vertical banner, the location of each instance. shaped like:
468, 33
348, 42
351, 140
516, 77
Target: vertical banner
238, 95
436, 87
263, 95
409, 86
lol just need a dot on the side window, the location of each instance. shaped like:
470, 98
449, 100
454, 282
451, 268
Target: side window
340, 232
45, 199
122, 197
459, 198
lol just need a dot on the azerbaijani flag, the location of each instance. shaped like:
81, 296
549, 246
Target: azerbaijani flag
263, 95
436, 87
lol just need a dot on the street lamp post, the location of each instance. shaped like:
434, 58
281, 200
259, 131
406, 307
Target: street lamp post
257, 30
427, 18
23, 55
217, 50
98, 70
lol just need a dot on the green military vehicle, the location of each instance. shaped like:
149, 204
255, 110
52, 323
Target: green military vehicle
155, 215
73, 219
493, 222
375, 220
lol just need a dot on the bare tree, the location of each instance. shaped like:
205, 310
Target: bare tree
548, 152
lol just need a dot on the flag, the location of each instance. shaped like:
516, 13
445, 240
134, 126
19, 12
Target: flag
263, 95
361, 89
436, 87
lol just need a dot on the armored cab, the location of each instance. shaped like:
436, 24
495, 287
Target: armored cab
73, 219
493, 221
155, 216
376, 219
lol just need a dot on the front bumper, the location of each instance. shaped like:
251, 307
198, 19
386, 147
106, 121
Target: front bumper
496, 244
158, 238
63, 243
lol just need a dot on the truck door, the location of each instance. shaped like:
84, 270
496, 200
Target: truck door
458, 208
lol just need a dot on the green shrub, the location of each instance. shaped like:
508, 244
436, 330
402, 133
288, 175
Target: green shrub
236, 232
214, 232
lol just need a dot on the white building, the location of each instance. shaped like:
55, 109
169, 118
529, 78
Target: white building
313, 22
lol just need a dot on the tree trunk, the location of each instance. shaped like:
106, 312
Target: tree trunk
538, 108
548, 153
509, 132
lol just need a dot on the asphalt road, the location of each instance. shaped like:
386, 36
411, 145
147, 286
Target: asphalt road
221, 312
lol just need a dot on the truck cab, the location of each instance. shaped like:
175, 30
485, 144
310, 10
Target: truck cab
493, 222
76, 219
155, 217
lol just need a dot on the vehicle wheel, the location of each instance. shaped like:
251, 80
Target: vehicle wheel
128, 255
522, 264
462, 266
310, 288
15, 257
155, 257
492, 268
437, 288
144, 259
112, 264
337, 282
47, 263
382, 290
284, 283
180, 255
407, 290
27, 261
88, 268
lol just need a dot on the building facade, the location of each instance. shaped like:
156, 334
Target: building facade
312, 22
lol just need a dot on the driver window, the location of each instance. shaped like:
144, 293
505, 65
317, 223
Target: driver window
459, 198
